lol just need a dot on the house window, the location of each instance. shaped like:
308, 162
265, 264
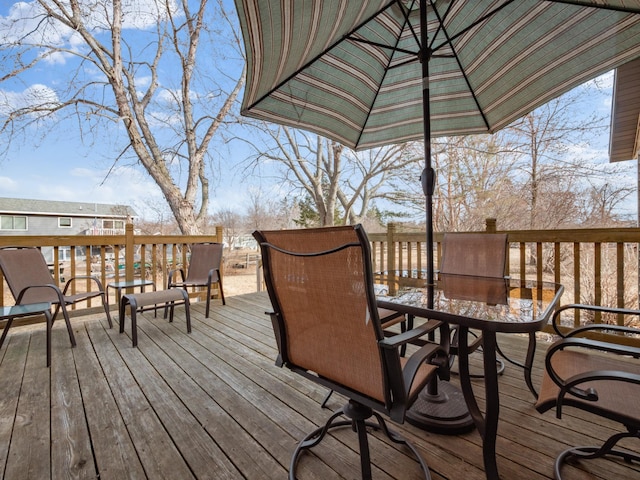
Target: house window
10, 222
64, 222
114, 224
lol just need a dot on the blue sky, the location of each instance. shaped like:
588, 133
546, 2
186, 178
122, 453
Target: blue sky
61, 167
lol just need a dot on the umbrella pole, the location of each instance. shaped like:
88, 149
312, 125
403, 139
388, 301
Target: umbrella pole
441, 406
428, 174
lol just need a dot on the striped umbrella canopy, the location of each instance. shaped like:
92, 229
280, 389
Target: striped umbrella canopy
376, 72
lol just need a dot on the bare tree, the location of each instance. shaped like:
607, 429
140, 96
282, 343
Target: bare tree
337, 180
472, 183
151, 68
265, 211
544, 141
601, 201
231, 222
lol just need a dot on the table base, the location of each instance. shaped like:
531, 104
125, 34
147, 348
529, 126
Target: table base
445, 412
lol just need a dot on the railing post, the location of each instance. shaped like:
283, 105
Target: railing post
391, 247
491, 225
219, 239
128, 252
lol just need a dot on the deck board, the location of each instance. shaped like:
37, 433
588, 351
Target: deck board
212, 404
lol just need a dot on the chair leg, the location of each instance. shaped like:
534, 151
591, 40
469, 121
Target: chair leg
105, 304
65, 314
56, 311
206, 315
608, 448
357, 416
187, 314
363, 443
500, 365
220, 288
405, 326
326, 399
47, 316
121, 315
134, 323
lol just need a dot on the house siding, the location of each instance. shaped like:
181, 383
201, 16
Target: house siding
43, 218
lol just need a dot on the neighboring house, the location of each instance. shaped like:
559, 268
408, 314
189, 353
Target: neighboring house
624, 143
55, 218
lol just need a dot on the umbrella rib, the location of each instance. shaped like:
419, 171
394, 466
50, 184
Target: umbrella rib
580, 3
395, 48
463, 31
382, 45
346, 36
449, 41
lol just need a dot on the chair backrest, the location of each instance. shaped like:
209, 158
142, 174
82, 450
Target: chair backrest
321, 288
205, 257
478, 254
26, 267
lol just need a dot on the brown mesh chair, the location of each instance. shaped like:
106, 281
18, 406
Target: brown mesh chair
203, 271
30, 281
474, 254
588, 371
328, 330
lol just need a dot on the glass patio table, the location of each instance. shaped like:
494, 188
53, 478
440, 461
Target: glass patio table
490, 305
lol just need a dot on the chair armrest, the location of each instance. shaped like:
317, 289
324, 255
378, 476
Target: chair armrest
406, 337
427, 353
170, 280
570, 385
593, 308
599, 345
576, 332
83, 277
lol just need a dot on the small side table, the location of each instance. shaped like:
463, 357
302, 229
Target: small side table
27, 310
119, 286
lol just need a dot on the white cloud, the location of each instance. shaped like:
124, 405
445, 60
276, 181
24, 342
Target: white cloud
143, 81
24, 22
124, 185
8, 185
36, 94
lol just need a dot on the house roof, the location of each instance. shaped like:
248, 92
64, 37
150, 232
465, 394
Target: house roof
75, 209
624, 143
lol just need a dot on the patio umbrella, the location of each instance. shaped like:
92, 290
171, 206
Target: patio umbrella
371, 73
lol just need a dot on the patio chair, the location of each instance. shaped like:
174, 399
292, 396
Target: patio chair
328, 330
598, 374
474, 254
203, 271
30, 281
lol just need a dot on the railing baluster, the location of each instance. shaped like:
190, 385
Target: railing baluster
576, 281
597, 279
620, 280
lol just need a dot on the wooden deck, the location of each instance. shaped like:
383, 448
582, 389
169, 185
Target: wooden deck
211, 404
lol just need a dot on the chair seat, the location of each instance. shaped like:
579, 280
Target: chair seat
614, 397
78, 297
389, 318
422, 377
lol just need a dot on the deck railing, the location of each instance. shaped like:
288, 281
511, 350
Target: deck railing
596, 266
111, 258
